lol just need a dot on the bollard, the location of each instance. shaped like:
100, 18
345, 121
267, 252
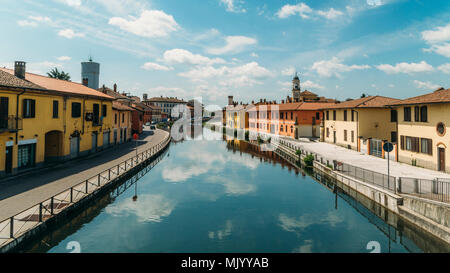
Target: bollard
51, 205
40, 212
71, 195
11, 227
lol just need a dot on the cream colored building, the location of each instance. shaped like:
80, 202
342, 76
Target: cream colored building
363, 124
423, 129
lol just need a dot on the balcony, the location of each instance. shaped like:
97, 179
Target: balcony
11, 123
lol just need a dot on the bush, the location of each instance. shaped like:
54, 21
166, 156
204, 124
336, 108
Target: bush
309, 159
298, 152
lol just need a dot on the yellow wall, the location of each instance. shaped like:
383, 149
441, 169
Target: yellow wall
43, 122
436, 113
368, 123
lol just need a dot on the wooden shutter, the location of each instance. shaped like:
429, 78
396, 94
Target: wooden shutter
402, 142
430, 146
417, 140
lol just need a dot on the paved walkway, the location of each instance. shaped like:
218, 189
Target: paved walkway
397, 169
28, 190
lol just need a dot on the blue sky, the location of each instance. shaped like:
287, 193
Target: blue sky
246, 48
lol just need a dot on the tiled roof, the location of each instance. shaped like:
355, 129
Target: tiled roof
441, 95
59, 85
165, 99
110, 92
314, 105
307, 93
367, 102
120, 106
9, 80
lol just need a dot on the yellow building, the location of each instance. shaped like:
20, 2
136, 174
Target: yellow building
237, 116
47, 120
362, 124
423, 129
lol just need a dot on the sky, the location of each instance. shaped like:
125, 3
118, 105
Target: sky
246, 48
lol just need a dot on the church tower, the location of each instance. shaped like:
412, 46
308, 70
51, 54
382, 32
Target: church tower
296, 88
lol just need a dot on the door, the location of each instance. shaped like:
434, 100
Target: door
94, 142
376, 148
105, 139
4, 112
125, 135
74, 147
441, 159
9, 158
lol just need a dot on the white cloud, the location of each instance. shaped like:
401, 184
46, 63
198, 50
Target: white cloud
330, 14
69, 33
334, 67
122, 6
407, 68
312, 85
26, 23
64, 58
301, 9
151, 23
182, 56
426, 85
440, 34
374, 3
33, 21
233, 5
439, 40
155, 66
254, 55
445, 68
234, 44
288, 71
71, 3
40, 18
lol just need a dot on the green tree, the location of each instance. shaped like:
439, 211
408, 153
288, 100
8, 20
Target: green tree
56, 74
363, 95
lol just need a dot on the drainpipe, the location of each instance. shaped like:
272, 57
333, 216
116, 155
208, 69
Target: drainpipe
17, 115
82, 117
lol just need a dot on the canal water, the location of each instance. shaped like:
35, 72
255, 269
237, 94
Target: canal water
227, 196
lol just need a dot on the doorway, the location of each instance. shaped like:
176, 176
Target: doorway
9, 159
441, 159
53, 146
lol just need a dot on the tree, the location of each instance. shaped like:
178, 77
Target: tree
56, 74
363, 95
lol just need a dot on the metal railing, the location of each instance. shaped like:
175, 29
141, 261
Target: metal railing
437, 189
364, 175
30, 218
11, 123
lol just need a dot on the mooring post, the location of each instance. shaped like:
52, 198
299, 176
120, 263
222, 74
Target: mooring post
71, 195
87, 186
40, 212
11, 227
51, 205
98, 180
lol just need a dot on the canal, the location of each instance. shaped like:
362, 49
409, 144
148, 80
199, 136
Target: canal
228, 196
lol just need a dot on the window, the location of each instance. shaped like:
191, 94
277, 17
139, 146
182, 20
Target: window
394, 137
328, 115
334, 115
292, 115
317, 115
353, 136
26, 156
409, 143
55, 109
281, 128
281, 115
423, 114
393, 115
115, 118
440, 128
104, 108
345, 135
416, 114
29, 108
123, 117
292, 129
407, 113
345, 115
426, 146
96, 114
76, 109
4, 104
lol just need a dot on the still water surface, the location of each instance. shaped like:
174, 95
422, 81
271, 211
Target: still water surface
219, 196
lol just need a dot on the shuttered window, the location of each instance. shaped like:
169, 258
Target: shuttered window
345, 115
76, 109
29, 108
55, 109
426, 146
423, 114
407, 113
416, 114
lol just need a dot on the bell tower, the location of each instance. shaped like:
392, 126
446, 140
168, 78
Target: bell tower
296, 88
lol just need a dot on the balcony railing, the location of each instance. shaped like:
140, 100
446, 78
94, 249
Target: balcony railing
10, 123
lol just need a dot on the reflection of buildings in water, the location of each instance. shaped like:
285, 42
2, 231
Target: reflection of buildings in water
255, 151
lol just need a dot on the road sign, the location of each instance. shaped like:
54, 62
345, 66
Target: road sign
135, 136
388, 147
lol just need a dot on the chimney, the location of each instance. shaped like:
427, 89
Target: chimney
264, 100
260, 100
19, 69
282, 101
230, 100
115, 87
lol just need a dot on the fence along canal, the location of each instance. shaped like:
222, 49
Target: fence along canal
14, 229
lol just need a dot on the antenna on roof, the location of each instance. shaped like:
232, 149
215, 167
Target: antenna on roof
90, 58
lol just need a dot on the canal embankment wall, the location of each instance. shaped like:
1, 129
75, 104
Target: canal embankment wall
65, 205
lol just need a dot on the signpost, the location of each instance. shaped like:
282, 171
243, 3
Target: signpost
136, 137
388, 147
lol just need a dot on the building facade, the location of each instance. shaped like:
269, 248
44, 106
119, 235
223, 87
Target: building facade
165, 103
363, 124
45, 120
423, 130
121, 123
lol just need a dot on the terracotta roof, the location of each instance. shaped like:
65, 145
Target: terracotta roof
120, 106
289, 106
440, 95
110, 92
307, 93
367, 102
59, 85
314, 105
165, 99
9, 80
